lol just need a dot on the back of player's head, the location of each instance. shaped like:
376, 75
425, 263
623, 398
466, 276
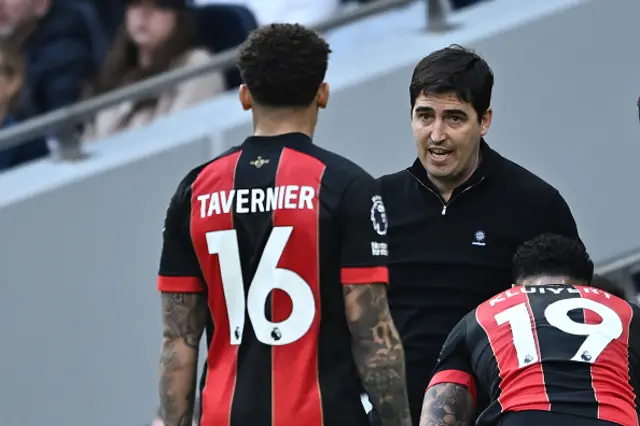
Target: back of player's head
603, 283
283, 65
552, 255
454, 70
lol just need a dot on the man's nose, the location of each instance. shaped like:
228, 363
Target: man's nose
438, 133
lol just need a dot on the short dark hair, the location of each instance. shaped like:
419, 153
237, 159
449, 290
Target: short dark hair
550, 254
283, 65
456, 70
603, 283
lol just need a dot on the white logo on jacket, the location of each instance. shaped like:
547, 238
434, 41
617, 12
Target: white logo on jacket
478, 239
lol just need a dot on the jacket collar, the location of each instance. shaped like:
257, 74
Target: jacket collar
488, 160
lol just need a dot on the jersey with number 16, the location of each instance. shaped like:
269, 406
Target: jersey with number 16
271, 231
560, 348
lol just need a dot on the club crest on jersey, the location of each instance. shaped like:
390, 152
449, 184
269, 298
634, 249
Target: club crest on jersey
379, 215
259, 162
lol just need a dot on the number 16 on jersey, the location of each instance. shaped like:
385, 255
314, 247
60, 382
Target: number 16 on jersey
267, 278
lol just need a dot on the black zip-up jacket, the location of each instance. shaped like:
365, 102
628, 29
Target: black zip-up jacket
445, 258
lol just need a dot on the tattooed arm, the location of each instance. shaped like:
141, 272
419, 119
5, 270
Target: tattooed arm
447, 404
378, 351
184, 317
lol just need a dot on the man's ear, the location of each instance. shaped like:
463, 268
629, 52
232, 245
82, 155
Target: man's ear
322, 97
245, 97
485, 121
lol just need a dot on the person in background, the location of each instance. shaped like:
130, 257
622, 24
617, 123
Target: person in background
110, 13
56, 44
11, 82
157, 35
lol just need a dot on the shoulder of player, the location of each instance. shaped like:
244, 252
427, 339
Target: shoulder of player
185, 184
390, 183
347, 170
459, 334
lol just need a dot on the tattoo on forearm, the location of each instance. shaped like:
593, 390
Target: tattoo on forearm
447, 404
184, 316
378, 352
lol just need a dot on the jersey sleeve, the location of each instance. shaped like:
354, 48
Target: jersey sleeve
179, 270
364, 226
453, 364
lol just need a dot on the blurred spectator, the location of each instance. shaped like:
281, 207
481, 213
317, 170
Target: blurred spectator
157, 35
11, 80
305, 12
56, 42
110, 13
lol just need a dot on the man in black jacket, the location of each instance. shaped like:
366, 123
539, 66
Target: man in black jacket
458, 214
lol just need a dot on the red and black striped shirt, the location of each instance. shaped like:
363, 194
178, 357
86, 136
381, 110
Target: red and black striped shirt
559, 348
270, 230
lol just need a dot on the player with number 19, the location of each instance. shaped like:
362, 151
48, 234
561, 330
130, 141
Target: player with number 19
279, 247
551, 351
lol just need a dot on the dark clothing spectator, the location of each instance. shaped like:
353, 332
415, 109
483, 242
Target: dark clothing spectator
23, 153
110, 13
59, 59
445, 258
12, 74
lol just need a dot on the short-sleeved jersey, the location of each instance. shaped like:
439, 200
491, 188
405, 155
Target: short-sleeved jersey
560, 348
271, 230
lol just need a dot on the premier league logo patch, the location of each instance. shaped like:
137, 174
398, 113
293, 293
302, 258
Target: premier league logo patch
379, 215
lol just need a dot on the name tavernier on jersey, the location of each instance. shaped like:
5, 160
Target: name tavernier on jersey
254, 200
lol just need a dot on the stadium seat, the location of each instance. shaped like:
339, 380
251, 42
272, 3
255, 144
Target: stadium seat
223, 27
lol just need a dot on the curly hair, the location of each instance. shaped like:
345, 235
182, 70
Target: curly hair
550, 254
283, 65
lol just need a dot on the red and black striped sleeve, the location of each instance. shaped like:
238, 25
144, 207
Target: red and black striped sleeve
454, 364
363, 233
179, 270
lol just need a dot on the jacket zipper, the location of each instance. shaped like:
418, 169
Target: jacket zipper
445, 204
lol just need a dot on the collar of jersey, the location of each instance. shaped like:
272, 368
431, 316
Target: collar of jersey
285, 139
